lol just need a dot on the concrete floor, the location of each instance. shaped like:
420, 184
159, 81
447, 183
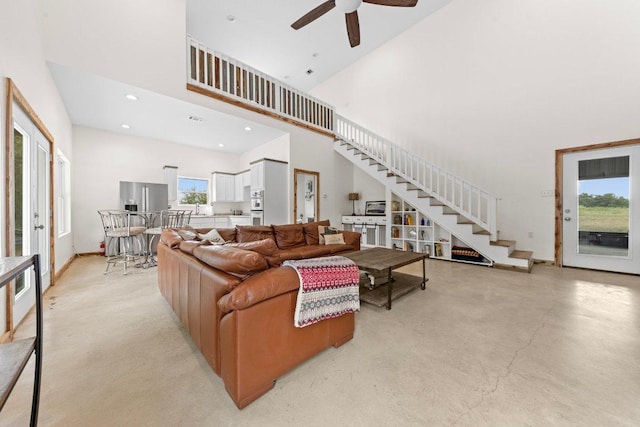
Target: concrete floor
479, 347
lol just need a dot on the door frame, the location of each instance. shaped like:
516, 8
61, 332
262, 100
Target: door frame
559, 195
14, 95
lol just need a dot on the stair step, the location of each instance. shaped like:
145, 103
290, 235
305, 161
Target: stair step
521, 254
423, 195
482, 232
466, 221
382, 168
400, 180
505, 243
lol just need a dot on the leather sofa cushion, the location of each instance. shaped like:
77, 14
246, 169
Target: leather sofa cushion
311, 231
289, 236
260, 287
188, 246
305, 252
170, 237
251, 233
265, 247
235, 261
228, 234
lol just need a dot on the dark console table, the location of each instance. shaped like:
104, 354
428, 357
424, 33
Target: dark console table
14, 355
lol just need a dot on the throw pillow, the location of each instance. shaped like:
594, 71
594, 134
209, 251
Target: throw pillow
333, 239
212, 236
322, 230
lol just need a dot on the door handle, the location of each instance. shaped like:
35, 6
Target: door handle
38, 227
567, 218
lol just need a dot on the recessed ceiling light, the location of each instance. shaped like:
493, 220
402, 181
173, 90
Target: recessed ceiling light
220, 145
309, 71
286, 77
196, 119
131, 97
231, 18
125, 126
247, 128
315, 54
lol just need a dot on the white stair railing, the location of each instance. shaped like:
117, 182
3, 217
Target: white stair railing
227, 76
467, 199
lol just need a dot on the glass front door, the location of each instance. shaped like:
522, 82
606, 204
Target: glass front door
600, 211
31, 163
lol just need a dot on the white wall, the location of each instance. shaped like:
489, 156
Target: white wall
141, 42
368, 188
103, 159
489, 90
22, 60
314, 152
277, 149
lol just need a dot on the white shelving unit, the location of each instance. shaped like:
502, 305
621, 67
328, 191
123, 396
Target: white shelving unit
411, 230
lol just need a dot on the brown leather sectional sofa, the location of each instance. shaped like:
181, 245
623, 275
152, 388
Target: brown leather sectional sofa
238, 303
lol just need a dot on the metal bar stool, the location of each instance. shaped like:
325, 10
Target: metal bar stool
117, 228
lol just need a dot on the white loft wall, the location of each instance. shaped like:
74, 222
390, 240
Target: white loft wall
22, 60
103, 159
489, 89
277, 149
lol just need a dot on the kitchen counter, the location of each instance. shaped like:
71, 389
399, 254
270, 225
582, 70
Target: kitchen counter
221, 216
219, 220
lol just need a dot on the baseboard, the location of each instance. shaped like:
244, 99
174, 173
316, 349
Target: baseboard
62, 270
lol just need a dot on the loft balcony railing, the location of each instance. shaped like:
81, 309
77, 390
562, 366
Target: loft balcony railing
230, 78
467, 199
236, 81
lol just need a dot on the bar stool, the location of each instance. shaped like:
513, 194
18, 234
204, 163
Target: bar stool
168, 219
117, 228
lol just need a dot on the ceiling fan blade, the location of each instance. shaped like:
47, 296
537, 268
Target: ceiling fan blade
314, 14
399, 3
353, 28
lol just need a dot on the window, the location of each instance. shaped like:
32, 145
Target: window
64, 194
192, 191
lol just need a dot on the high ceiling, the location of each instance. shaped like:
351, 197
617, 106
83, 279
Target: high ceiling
259, 33
255, 32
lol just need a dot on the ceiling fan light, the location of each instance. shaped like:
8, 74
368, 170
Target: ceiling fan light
348, 6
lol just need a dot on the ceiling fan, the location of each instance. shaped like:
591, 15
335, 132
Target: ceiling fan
350, 9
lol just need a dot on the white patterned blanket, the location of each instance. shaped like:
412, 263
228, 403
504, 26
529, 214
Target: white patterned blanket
329, 287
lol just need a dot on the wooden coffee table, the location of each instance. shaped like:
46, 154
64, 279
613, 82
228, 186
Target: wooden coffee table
383, 261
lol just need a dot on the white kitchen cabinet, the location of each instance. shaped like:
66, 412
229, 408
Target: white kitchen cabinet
223, 187
239, 220
257, 175
209, 221
242, 182
171, 179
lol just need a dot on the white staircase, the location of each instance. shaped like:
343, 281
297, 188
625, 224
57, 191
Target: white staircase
473, 225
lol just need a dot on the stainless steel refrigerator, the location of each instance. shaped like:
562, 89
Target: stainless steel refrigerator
143, 196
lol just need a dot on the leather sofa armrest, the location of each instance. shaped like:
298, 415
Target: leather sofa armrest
352, 238
260, 287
